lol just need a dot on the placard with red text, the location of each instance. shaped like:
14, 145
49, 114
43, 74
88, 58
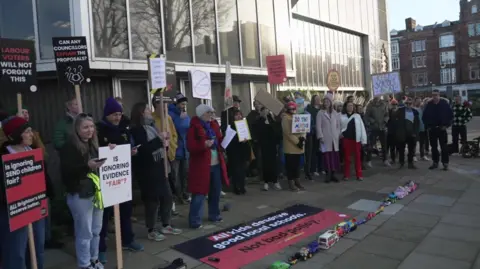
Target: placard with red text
116, 175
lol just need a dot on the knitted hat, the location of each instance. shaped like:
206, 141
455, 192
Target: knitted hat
202, 109
180, 98
291, 105
111, 106
14, 126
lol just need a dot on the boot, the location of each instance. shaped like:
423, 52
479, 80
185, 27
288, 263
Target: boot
333, 177
298, 185
291, 185
327, 177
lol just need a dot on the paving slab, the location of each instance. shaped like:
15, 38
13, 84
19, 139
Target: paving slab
428, 209
361, 232
425, 261
435, 200
341, 246
57, 258
171, 254
449, 184
365, 205
386, 247
455, 232
398, 230
456, 250
392, 209
466, 209
266, 261
462, 220
470, 198
416, 219
357, 259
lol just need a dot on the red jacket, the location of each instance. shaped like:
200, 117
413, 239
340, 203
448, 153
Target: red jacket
200, 157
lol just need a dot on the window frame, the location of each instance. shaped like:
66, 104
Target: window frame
450, 43
395, 63
416, 76
474, 9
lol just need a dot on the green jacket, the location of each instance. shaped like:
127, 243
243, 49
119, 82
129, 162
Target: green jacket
63, 128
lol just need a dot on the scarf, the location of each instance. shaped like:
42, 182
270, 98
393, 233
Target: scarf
152, 133
209, 132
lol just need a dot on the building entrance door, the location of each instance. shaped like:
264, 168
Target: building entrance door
133, 91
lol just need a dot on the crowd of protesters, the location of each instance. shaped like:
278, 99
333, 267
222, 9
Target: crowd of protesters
198, 167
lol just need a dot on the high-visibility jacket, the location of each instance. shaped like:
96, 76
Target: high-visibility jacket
97, 198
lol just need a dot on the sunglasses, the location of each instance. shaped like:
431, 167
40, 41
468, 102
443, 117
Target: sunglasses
84, 115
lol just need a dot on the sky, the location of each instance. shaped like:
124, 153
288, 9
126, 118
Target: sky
425, 12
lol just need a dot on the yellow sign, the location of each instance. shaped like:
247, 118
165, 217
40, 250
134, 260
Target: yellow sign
333, 80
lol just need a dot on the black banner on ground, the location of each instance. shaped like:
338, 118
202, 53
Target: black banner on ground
71, 58
18, 68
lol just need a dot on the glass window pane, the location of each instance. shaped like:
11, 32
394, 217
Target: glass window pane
282, 25
146, 28
110, 28
204, 32
298, 56
321, 40
53, 20
333, 10
266, 23
218, 89
308, 54
11, 26
178, 40
315, 52
324, 10
342, 16
193, 102
248, 23
314, 9
242, 90
228, 31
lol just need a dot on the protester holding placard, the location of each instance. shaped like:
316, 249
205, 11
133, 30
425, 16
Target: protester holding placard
292, 148
353, 136
112, 130
238, 154
149, 170
223, 117
64, 127
79, 169
37, 140
207, 169
13, 245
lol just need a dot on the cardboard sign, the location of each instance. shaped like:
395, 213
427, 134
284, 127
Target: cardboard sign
18, 69
25, 188
116, 175
301, 123
333, 80
71, 59
269, 102
157, 73
277, 69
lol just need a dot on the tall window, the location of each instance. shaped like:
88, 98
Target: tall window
16, 19
447, 41
248, 26
395, 62
110, 28
448, 75
474, 49
228, 31
395, 47
418, 45
178, 41
474, 9
53, 20
283, 30
146, 28
420, 79
266, 23
204, 31
471, 29
447, 57
419, 61
474, 71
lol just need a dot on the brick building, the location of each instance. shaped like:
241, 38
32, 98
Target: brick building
444, 55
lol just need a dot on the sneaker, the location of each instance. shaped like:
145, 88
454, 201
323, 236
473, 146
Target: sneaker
134, 247
445, 167
170, 230
345, 179
369, 164
265, 187
425, 158
218, 220
387, 163
433, 166
91, 266
102, 257
156, 236
97, 265
316, 174
175, 213
196, 227
415, 159
360, 178
222, 194
277, 186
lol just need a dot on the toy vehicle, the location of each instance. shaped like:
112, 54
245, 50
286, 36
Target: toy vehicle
360, 222
328, 239
340, 231
280, 265
392, 198
379, 210
304, 254
293, 260
412, 186
313, 247
371, 215
401, 192
352, 226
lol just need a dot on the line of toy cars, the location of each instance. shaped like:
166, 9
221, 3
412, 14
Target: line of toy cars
331, 237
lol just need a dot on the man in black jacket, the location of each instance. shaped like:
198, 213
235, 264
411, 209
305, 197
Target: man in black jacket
437, 117
223, 119
406, 124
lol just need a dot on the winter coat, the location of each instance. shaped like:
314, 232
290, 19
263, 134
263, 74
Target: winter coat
403, 128
172, 145
360, 132
200, 157
290, 140
63, 128
328, 129
181, 126
376, 115
110, 134
238, 153
437, 115
252, 119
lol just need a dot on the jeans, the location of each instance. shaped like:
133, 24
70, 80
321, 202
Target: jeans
423, 143
410, 142
458, 131
438, 136
179, 169
312, 146
125, 225
48, 222
380, 134
196, 205
14, 245
87, 221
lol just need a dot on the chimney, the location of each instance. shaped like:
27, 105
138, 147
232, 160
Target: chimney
410, 24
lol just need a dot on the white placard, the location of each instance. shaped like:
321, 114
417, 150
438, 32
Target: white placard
386, 83
201, 84
242, 130
229, 135
301, 123
158, 76
116, 175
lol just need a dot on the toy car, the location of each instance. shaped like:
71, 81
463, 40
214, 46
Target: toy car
328, 239
360, 222
392, 198
401, 192
379, 210
352, 225
304, 254
280, 265
340, 231
371, 215
313, 247
293, 260
412, 186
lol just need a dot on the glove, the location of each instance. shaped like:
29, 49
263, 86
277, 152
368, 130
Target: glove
301, 143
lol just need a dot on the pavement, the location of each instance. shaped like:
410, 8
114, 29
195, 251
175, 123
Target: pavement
434, 227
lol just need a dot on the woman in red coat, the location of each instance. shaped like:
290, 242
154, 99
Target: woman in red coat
207, 168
